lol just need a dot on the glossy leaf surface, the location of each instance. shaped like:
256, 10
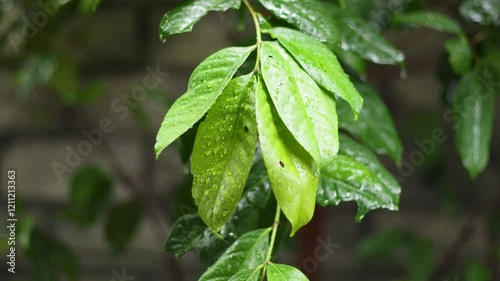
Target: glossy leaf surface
320, 63
292, 171
205, 85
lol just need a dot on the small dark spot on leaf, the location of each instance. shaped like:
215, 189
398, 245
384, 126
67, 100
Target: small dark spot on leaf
270, 56
246, 129
282, 164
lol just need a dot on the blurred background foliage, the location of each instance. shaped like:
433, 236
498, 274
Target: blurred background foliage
45, 58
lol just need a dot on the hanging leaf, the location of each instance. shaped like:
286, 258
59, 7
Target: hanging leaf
292, 171
357, 175
90, 194
428, 19
190, 233
183, 17
320, 63
374, 126
473, 107
205, 85
460, 54
306, 110
484, 12
246, 253
326, 23
283, 272
223, 152
122, 223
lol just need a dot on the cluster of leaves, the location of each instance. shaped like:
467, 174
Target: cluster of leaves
301, 112
476, 74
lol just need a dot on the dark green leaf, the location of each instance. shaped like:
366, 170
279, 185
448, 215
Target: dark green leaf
246, 253
324, 22
306, 110
384, 244
190, 233
88, 6
64, 80
374, 126
205, 85
357, 175
475, 271
223, 152
66, 260
283, 272
473, 107
36, 71
122, 223
292, 171
320, 63
183, 17
428, 19
39, 253
90, 194
361, 38
460, 54
420, 260
484, 12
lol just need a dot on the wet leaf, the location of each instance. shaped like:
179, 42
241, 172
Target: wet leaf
190, 233
183, 17
473, 107
283, 272
292, 171
326, 23
484, 12
306, 110
374, 126
223, 152
247, 275
205, 85
246, 253
428, 19
320, 63
357, 175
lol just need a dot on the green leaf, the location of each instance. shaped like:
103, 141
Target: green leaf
88, 6
473, 107
475, 271
320, 63
247, 275
428, 19
205, 85
361, 38
183, 17
324, 22
39, 253
246, 253
283, 272
484, 12
90, 194
292, 171
65, 81
420, 260
66, 260
357, 175
223, 152
306, 110
122, 223
190, 233
460, 54
384, 244
374, 126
